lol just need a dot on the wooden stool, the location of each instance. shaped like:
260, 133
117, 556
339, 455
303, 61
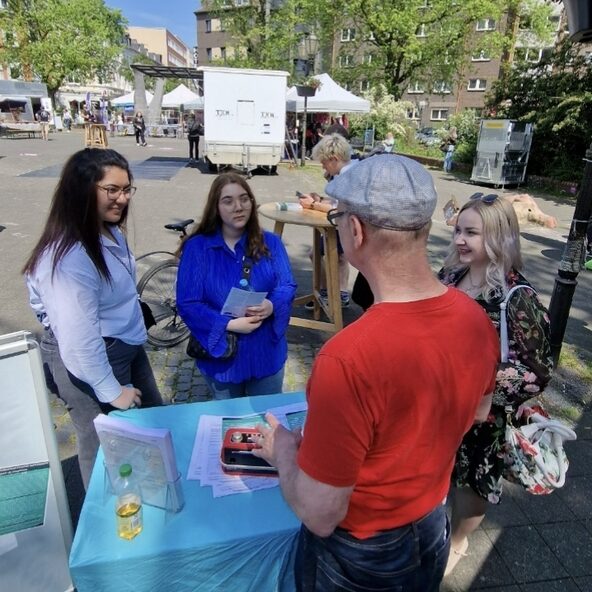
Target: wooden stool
95, 135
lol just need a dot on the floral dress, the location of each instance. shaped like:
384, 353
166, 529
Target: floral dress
479, 460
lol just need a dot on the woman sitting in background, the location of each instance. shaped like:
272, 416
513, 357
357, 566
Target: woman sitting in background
485, 262
213, 258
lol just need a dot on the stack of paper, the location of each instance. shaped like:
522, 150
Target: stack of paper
151, 454
205, 464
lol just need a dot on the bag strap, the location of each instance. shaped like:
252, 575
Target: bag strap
504, 321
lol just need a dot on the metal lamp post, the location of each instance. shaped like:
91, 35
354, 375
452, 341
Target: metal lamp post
579, 13
308, 49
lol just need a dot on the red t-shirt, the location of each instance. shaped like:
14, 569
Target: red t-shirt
389, 400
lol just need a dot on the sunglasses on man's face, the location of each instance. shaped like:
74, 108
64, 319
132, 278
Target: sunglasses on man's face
487, 199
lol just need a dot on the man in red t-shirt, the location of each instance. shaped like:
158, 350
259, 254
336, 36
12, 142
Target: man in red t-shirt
389, 399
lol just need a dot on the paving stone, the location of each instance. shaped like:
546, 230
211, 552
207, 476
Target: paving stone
584, 584
542, 509
572, 544
482, 566
576, 494
181, 396
563, 585
526, 554
579, 454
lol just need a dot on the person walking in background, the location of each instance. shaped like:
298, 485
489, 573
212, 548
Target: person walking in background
389, 399
484, 262
213, 259
43, 116
194, 131
81, 277
139, 129
448, 146
67, 119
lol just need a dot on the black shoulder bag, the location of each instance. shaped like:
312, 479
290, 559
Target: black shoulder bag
197, 351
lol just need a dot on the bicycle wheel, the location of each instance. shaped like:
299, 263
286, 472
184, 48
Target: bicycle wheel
158, 289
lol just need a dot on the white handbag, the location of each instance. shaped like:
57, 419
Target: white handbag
534, 456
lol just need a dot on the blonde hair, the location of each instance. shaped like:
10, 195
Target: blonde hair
501, 240
333, 146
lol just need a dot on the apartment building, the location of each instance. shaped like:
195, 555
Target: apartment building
161, 42
350, 59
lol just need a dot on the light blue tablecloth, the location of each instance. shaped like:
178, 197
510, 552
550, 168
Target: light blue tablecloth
236, 543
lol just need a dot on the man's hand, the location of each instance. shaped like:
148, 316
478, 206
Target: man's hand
277, 444
264, 310
244, 324
129, 397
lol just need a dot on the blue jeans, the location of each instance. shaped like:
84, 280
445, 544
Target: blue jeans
130, 365
448, 161
411, 558
269, 385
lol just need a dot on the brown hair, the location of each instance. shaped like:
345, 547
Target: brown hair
210, 221
73, 216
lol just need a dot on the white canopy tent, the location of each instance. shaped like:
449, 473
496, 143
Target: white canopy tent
180, 96
329, 98
128, 99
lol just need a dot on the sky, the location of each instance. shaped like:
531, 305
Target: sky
175, 15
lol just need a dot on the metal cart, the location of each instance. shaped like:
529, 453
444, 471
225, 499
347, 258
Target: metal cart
502, 152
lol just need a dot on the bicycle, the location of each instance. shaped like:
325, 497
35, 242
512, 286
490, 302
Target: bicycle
157, 287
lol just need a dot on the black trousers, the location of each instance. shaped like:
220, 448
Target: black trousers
194, 147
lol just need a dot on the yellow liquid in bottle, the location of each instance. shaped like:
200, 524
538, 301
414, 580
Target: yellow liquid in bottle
129, 520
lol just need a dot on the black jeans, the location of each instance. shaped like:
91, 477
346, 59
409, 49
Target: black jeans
194, 147
140, 139
411, 558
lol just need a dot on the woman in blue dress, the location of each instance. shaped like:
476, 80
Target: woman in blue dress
212, 261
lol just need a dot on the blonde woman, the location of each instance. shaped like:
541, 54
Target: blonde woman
484, 262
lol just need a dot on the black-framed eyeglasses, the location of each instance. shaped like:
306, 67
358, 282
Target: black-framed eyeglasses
332, 216
487, 199
114, 192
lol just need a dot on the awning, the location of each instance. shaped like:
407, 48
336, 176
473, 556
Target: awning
13, 99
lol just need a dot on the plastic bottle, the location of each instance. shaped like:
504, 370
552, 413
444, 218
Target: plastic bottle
128, 505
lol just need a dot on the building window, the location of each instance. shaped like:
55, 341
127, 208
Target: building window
209, 53
346, 61
442, 88
481, 56
370, 36
364, 85
368, 58
223, 53
346, 85
486, 25
415, 88
477, 84
555, 21
348, 34
413, 113
532, 55
208, 26
439, 114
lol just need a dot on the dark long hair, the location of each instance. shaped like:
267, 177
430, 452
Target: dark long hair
73, 216
211, 220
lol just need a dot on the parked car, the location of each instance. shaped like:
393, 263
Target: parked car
427, 136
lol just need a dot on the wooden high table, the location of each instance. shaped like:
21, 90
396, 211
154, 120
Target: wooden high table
322, 230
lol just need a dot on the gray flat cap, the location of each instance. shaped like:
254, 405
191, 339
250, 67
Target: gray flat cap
388, 191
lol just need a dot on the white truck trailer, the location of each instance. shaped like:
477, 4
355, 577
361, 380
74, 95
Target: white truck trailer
244, 117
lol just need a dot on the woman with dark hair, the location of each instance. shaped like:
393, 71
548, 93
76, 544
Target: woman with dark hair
81, 280
484, 261
139, 129
213, 259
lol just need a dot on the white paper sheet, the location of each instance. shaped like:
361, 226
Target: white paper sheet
239, 300
205, 466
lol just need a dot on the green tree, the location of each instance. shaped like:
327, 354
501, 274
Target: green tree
555, 95
57, 39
